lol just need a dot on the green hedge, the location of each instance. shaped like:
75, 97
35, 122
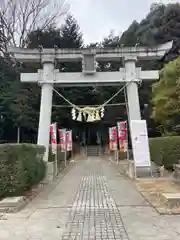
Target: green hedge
165, 150
21, 166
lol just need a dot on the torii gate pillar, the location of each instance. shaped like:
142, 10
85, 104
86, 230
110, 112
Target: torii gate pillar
132, 89
46, 105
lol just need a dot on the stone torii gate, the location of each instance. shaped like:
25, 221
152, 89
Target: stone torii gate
49, 76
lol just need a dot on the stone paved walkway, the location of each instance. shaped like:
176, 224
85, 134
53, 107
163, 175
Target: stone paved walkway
92, 201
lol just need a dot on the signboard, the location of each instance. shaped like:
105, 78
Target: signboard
62, 137
140, 143
122, 136
53, 135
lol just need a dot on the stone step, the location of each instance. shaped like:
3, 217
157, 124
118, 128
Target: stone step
171, 200
12, 204
141, 172
145, 172
93, 151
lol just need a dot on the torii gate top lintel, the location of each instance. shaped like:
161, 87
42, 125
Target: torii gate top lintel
73, 55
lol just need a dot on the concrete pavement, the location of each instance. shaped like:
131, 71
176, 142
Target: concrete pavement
92, 201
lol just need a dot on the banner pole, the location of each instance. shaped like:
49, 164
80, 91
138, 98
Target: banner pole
117, 155
65, 152
53, 137
127, 140
127, 152
71, 147
56, 159
72, 155
109, 147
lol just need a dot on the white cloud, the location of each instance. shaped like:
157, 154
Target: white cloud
97, 17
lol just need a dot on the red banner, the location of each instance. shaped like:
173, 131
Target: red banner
113, 138
62, 138
122, 136
69, 140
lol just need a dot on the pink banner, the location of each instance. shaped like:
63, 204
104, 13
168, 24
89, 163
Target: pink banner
113, 138
110, 137
53, 136
62, 138
122, 136
69, 140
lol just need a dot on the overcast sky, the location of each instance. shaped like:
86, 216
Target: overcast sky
98, 17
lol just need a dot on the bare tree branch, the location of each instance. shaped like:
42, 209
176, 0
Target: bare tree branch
19, 17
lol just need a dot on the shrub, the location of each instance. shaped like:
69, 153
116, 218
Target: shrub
21, 167
165, 150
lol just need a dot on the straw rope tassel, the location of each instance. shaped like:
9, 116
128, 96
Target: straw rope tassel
90, 118
97, 116
79, 118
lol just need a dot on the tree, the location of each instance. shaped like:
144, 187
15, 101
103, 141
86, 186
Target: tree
8, 87
71, 37
20, 17
159, 26
166, 101
111, 41
24, 99
129, 37
20, 103
46, 38
71, 34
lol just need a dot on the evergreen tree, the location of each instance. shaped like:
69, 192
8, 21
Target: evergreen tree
70, 33
8, 89
166, 102
20, 101
129, 36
